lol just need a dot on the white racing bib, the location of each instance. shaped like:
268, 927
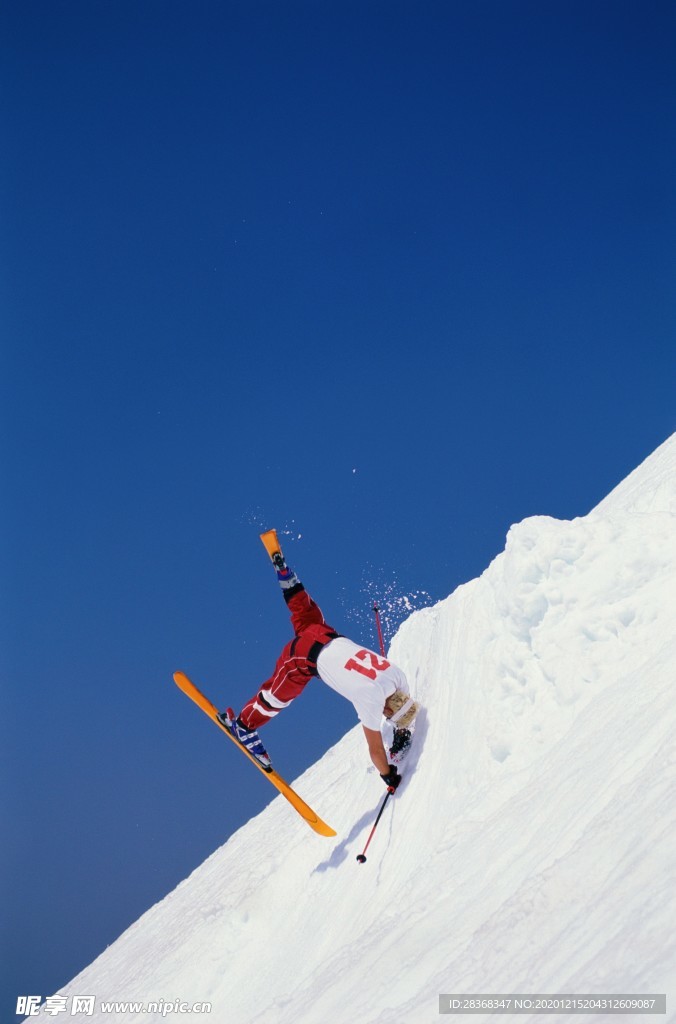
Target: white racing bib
362, 676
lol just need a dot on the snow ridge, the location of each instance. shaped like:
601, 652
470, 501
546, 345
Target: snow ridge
529, 849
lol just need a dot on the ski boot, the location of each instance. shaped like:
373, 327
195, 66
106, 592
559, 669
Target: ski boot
286, 576
400, 745
247, 738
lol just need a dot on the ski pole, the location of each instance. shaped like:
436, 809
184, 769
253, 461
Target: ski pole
376, 609
361, 857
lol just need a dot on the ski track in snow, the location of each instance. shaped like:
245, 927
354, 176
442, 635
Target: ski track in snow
531, 846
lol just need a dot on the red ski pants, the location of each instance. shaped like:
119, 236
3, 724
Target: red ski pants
296, 665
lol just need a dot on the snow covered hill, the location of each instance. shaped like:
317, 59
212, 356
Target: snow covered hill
532, 846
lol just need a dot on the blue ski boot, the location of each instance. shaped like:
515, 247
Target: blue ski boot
286, 576
247, 738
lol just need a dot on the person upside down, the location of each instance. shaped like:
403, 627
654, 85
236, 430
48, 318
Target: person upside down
375, 686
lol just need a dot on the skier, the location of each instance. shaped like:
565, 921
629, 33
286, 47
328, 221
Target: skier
374, 685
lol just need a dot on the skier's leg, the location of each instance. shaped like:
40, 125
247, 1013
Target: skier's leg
304, 611
288, 680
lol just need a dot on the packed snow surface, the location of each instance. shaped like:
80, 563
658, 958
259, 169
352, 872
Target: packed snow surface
532, 845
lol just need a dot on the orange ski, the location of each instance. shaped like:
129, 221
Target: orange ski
271, 542
306, 812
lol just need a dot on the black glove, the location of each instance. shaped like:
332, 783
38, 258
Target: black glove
392, 779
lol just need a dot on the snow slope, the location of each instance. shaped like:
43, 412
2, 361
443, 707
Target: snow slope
532, 845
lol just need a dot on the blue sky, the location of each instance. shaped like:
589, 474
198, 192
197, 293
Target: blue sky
386, 276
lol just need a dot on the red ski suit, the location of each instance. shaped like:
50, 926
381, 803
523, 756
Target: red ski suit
297, 663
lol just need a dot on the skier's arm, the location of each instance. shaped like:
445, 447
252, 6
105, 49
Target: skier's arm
377, 749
